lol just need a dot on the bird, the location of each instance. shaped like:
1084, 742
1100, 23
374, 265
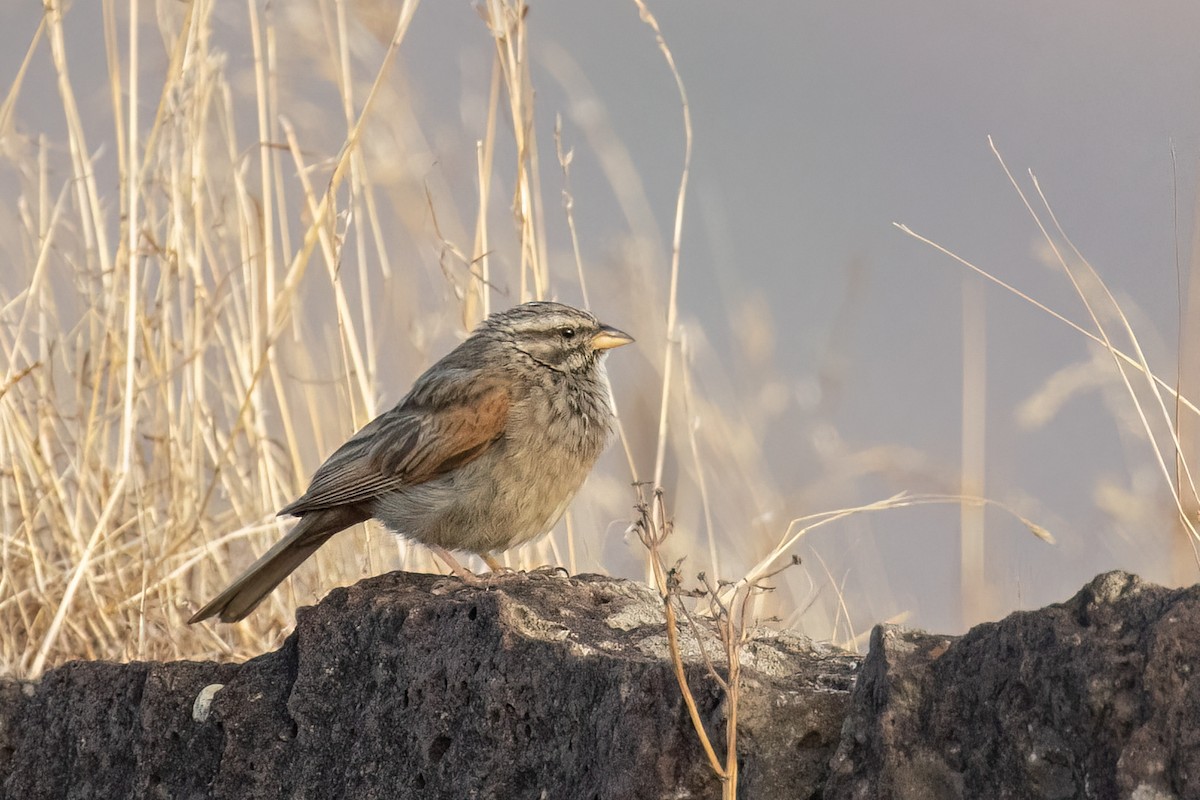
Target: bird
483, 454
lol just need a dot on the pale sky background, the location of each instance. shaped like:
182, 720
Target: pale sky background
818, 125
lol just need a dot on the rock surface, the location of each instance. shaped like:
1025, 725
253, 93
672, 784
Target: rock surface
1093, 698
418, 686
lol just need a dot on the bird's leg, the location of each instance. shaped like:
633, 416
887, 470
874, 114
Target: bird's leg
498, 569
458, 569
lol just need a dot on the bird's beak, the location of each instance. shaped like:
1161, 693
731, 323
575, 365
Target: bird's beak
609, 337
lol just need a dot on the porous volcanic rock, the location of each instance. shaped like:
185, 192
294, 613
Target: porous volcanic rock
1096, 697
417, 686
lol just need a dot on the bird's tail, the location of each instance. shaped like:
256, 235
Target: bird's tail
244, 594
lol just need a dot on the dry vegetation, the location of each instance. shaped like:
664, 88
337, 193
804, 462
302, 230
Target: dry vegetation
239, 248
250, 247
247, 241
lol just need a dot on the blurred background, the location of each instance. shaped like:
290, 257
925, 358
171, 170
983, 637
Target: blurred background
301, 253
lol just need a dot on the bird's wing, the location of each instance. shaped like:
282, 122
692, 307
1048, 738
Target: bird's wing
423, 437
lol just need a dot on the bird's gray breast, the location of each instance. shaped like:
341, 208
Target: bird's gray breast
518, 489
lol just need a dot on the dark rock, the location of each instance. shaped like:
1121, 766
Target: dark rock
418, 686
1092, 698
100, 730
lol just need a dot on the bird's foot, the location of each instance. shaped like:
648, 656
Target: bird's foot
461, 572
502, 573
499, 572
546, 571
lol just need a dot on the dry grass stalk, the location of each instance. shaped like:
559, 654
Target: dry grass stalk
175, 370
653, 526
727, 615
161, 399
1153, 398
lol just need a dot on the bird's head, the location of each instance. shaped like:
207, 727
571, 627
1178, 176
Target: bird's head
557, 336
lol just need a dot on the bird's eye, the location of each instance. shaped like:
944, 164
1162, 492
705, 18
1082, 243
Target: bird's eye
567, 333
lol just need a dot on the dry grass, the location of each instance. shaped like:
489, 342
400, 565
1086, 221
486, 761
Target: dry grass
214, 285
175, 367
247, 241
1164, 415
234, 263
